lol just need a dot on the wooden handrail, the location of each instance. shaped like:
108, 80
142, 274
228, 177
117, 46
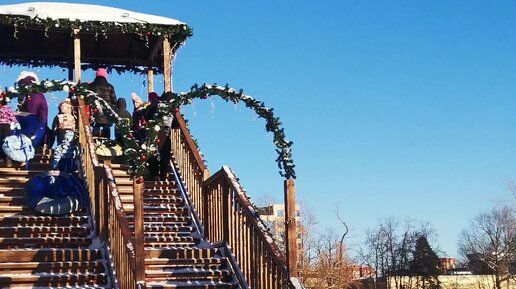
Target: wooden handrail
226, 214
231, 217
121, 216
110, 220
188, 165
190, 143
248, 209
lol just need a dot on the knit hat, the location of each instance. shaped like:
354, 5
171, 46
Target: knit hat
153, 97
65, 102
27, 78
101, 72
136, 100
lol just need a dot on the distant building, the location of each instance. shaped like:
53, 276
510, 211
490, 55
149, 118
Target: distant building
274, 217
361, 272
447, 265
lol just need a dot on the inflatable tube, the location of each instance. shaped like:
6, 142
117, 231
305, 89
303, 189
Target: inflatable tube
18, 148
109, 149
55, 193
31, 126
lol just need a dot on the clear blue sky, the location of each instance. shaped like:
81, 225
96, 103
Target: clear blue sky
396, 108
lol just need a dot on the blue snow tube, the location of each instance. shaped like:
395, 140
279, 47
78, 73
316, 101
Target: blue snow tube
18, 147
55, 193
31, 126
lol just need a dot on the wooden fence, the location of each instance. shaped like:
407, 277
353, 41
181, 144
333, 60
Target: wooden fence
227, 215
110, 220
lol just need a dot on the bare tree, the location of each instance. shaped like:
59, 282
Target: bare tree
324, 261
491, 241
389, 248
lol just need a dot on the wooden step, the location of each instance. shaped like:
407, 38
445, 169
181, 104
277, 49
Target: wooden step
40, 242
10, 200
24, 220
95, 286
14, 172
153, 198
161, 228
13, 190
162, 238
167, 274
50, 255
54, 279
160, 199
190, 285
46, 232
14, 181
165, 191
179, 252
163, 218
41, 165
52, 267
156, 209
207, 263
13, 209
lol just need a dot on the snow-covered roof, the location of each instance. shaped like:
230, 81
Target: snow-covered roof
40, 34
83, 12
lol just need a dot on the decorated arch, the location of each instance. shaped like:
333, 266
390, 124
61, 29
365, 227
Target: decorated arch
138, 152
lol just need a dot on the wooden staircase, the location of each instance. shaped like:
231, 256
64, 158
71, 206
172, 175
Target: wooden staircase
38, 251
176, 256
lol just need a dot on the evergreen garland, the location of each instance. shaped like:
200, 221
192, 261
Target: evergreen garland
101, 29
137, 153
175, 33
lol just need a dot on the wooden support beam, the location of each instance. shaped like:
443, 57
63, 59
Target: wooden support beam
167, 63
150, 80
138, 230
77, 55
290, 226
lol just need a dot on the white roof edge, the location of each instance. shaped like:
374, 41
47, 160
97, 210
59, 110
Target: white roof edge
83, 12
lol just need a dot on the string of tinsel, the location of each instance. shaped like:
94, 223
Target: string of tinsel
138, 153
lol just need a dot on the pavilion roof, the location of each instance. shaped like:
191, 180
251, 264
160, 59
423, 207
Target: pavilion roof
41, 34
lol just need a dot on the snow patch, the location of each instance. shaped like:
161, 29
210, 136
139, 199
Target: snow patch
83, 13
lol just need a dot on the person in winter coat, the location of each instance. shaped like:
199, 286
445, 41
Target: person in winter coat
101, 122
138, 117
64, 121
124, 115
34, 103
152, 106
7, 121
159, 169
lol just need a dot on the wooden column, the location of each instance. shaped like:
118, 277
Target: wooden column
150, 80
167, 61
138, 230
290, 226
77, 55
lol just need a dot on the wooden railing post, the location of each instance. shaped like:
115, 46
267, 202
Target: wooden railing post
101, 202
290, 226
205, 211
225, 210
138, 230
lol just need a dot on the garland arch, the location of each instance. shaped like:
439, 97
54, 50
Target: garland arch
138, 153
